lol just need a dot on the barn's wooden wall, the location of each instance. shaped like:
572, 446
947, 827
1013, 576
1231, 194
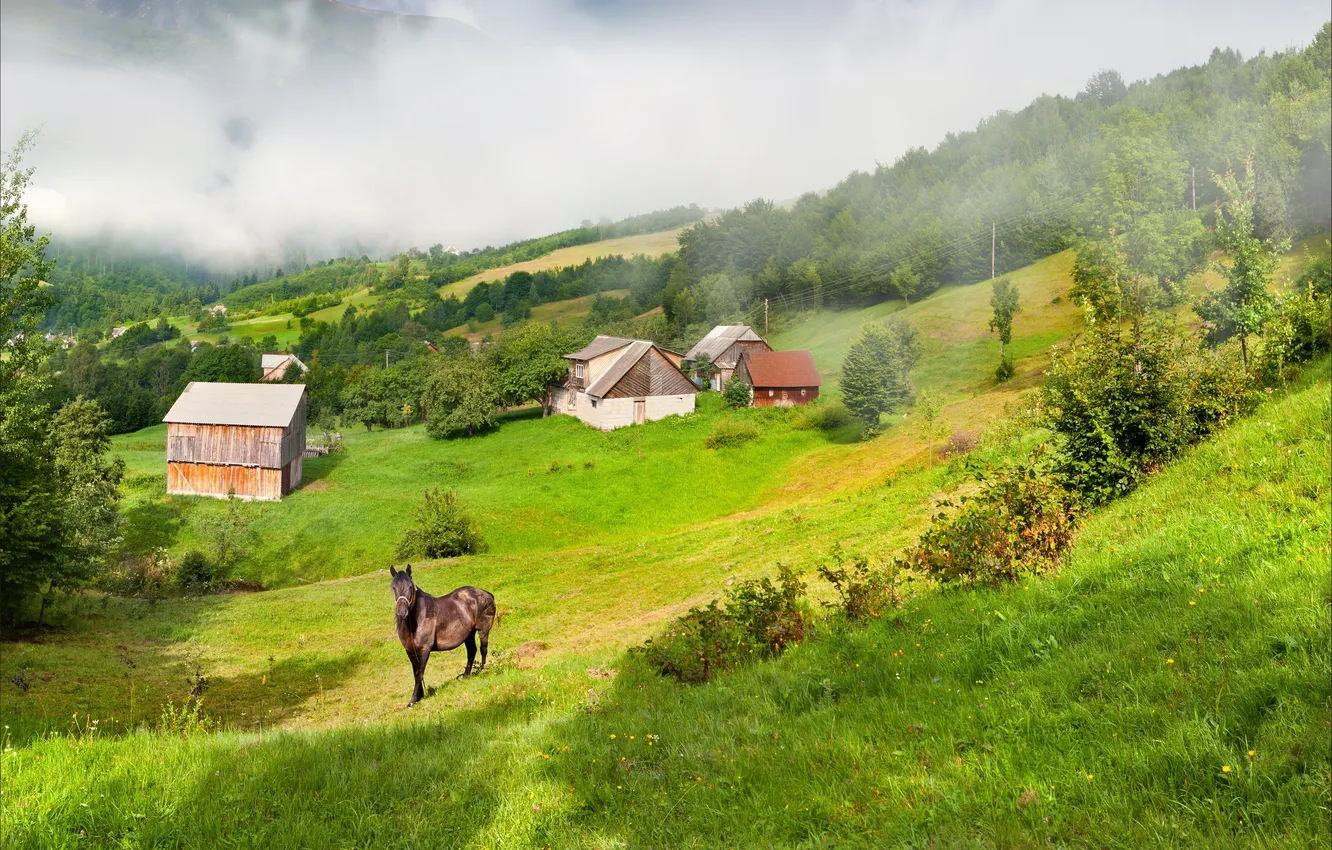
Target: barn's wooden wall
254, 462
234, 444
209, 479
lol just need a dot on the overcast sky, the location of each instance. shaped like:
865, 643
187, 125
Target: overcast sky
563, 111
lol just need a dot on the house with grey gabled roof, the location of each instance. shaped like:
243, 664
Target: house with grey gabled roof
614, 381
722, 347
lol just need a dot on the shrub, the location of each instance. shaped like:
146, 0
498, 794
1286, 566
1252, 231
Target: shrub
759, 618
864, 591
1299, 332
444, 528
1125, 403
961, 443
730, 432
1004, 371
146, 576
196, 573
736, 394
824, 416
1020, 522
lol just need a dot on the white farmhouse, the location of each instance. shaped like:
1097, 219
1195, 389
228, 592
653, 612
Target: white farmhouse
616, 381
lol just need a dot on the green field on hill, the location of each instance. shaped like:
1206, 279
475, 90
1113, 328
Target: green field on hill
1167, 687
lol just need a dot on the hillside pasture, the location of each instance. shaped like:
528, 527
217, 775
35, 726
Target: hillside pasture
570, 310
534, 484
1165, 687
647, 244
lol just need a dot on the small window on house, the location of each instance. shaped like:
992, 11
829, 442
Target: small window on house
578, 370
770, 393
802, 393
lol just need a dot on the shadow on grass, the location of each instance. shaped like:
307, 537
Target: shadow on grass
153, 524
319, 467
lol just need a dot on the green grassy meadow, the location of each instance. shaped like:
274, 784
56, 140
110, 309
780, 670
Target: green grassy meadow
1167, 688
536, 485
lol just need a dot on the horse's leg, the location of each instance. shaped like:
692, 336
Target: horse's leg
416, 678
484, 633
420, 677
470, 643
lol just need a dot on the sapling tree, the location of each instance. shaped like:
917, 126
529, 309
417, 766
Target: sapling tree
1242, 308
1004, 300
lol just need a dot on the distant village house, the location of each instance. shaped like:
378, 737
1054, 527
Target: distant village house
722, 347
779, 378
241, 439
115, 332
218, 308
615, 382
275, 366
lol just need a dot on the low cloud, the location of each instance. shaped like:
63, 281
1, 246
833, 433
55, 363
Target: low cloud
496, 121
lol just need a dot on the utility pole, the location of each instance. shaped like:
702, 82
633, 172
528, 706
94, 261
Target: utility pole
1193, 179
991, 250
765, 318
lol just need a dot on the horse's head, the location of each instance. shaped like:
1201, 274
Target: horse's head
404, 591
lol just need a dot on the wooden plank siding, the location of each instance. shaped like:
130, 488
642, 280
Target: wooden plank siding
653, 374
253, 462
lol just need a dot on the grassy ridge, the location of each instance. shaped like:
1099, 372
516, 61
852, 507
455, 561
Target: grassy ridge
1168, 688
647, 244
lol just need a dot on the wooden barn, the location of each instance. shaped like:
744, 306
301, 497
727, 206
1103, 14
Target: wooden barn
723, 347
246, 439
779, 378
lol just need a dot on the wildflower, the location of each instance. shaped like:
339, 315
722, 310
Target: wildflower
1252, 753
1090, 777
612, 736
1192, 602
1170, 661
1225, 768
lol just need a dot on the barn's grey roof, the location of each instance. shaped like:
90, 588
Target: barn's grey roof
719, 339
257, 405
608, 379
598, 347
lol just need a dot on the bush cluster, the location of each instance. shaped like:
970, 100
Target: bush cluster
1019, 522
730, 432
736, 394
823, 416
444, 528
759, 617
865, 591
1125, 402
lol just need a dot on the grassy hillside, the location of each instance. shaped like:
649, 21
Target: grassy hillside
647, 244
958, 351
353, 507
570, 310
1167, 687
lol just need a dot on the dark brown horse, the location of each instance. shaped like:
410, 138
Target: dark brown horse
427, 623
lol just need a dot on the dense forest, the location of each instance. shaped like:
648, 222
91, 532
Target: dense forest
1039, 177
